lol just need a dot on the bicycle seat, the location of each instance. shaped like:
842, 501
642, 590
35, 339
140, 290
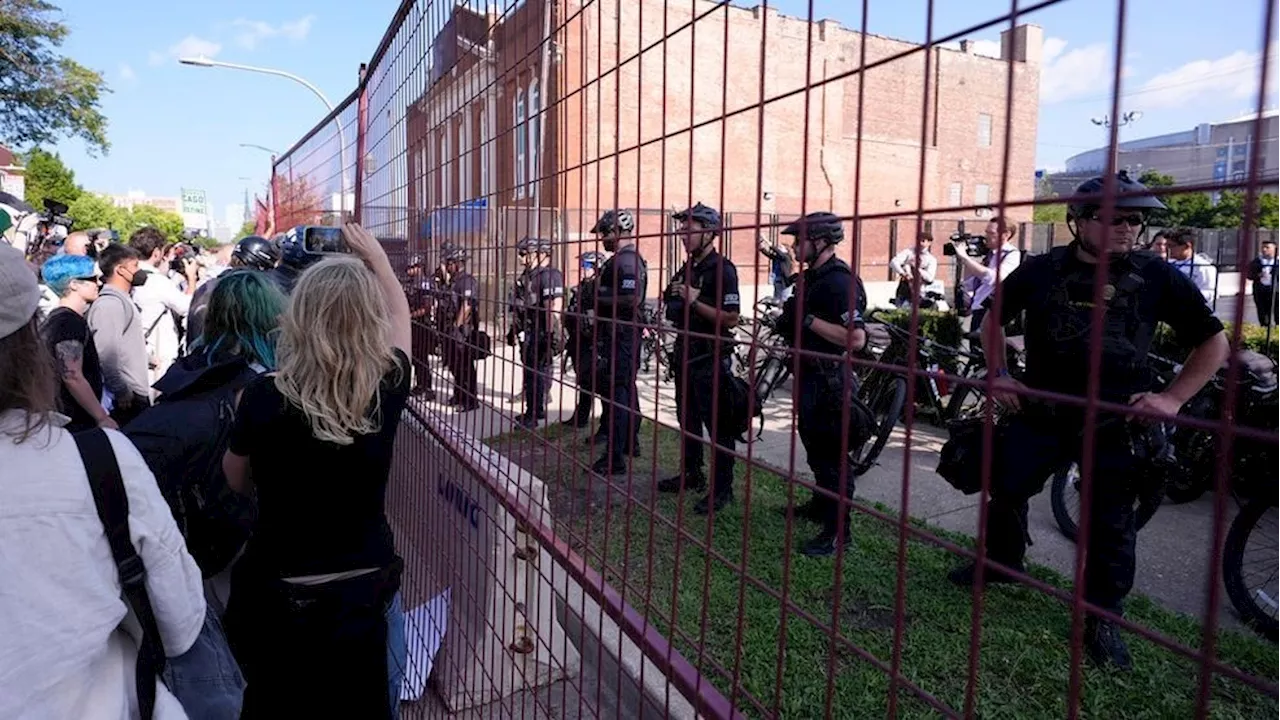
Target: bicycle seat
769, 301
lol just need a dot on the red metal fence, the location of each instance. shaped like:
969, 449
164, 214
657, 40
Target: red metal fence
578, 593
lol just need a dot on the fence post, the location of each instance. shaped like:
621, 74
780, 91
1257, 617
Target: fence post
893, 246
273, 198
362, 123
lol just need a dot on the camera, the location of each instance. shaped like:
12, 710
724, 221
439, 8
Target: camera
974, 245
183, 253
322, 240
55, 213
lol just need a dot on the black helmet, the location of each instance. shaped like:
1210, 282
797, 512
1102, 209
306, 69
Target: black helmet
293, 254
592, 258
524, 245
256, 252
453, 253
821, 226
708, 216
1130, 195
614, 222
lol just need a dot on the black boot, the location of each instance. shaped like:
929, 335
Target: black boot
1104, 645
692, 483
526, 421
609, 466
966, 575
809, 510
827, 542
716, 499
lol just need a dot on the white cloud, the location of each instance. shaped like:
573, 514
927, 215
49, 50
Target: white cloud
1067, 74
126, 73
189, 46
249, 33
1231, 77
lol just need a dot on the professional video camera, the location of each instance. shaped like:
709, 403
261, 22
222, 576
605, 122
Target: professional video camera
974, 245
51, 229
55, 213
183, 253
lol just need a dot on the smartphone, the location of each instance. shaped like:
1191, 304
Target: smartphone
324, 240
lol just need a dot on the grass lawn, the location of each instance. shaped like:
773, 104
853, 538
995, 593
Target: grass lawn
1023, 670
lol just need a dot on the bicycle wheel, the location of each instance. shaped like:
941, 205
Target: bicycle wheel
886, 402
1064, 499
771, 373
967, 401
1249, 566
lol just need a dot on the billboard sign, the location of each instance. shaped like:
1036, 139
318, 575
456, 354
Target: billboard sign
193, 202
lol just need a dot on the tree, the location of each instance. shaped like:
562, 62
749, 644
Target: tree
247, 229
43, 95
91, 210
1231, 210
169, 223
1194, 209
48, 178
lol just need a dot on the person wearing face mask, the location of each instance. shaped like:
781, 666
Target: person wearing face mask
66, 333
118, 333
823, 319
702, 302
1059, 292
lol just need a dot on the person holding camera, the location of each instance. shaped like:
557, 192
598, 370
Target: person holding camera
999, 256
1058, 292
162, 304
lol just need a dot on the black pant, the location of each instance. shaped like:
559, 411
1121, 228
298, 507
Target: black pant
1030, 449
820, 426
695, 409
460, 359
420, 343
1264, 300
620, 423
581, 355
124, 413
535, 357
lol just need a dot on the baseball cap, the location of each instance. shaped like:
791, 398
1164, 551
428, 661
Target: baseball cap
59, 270
19, 292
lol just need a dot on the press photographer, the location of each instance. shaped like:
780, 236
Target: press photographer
160, 301
985, 261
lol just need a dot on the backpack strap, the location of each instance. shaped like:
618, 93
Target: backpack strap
113, 510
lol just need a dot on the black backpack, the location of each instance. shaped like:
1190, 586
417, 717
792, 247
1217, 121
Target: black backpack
182, 439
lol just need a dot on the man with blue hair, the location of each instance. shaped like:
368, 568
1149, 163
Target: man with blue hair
73, 278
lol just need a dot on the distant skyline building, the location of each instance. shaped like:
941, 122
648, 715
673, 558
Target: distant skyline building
134, 198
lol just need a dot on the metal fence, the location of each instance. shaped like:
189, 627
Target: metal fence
567, 591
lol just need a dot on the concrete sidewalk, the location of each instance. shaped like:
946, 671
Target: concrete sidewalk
1173, 550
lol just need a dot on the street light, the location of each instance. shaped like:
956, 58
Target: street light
342, 137
263, 148
1106, 122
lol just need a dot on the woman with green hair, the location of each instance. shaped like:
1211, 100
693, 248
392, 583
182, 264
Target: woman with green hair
241, 320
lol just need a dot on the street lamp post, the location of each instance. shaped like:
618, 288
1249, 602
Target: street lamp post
255, 146
1106, 122
342, 137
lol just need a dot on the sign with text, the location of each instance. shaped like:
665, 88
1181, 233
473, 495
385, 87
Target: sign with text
193, 202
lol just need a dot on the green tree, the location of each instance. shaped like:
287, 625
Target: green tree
1231, 210
48, 178
1193, 209
45, 96
247, 229
91, 210
169, 223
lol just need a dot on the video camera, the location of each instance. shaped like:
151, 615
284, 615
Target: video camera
55, 213
974, 245
183, 253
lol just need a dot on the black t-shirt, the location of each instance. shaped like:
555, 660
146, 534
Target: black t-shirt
716, 278
541, 286
320, 505
624, 275
1057, 296
831, 293
462, 290
65, 325
199, 308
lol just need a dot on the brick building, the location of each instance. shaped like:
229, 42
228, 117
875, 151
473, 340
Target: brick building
513, 123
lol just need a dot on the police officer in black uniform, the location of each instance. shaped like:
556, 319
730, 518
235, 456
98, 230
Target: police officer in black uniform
1057, 291
822, 318
537, 309
420, 291
459, 322
620, 292
702, 300
579, 328
294, 258
253, 253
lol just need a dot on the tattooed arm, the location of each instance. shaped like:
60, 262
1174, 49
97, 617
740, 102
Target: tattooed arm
70, 355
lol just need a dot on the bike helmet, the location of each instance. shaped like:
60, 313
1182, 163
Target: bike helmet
1130, 195
614, 222
256, 252
452, 253
591, 259
821, 226
708, 216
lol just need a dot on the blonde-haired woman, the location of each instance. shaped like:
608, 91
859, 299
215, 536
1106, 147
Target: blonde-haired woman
314, 604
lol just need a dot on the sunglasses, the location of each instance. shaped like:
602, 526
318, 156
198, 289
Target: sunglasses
1130, 220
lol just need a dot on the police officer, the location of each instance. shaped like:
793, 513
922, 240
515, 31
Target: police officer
1057, 291
294, 258
420, 292
459, 322
822, 319
252, 252
702, 300
537, 308
620, 293
578, 323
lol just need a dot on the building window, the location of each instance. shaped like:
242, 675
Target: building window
955, 195
465, 158
984, 130
484, 154
446, 169
423, 200
1237, 166
522, 148
535, 135
981, 194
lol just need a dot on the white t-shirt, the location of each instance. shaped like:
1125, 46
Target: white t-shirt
64, 652
155, 299
1202, 272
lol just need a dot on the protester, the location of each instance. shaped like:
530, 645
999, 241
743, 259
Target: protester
67, 649
163, 306
315, 597
117, 333
66, 333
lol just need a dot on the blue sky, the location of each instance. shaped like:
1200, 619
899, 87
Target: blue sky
173, 126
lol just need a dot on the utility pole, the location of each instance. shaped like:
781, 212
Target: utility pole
1106, 122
